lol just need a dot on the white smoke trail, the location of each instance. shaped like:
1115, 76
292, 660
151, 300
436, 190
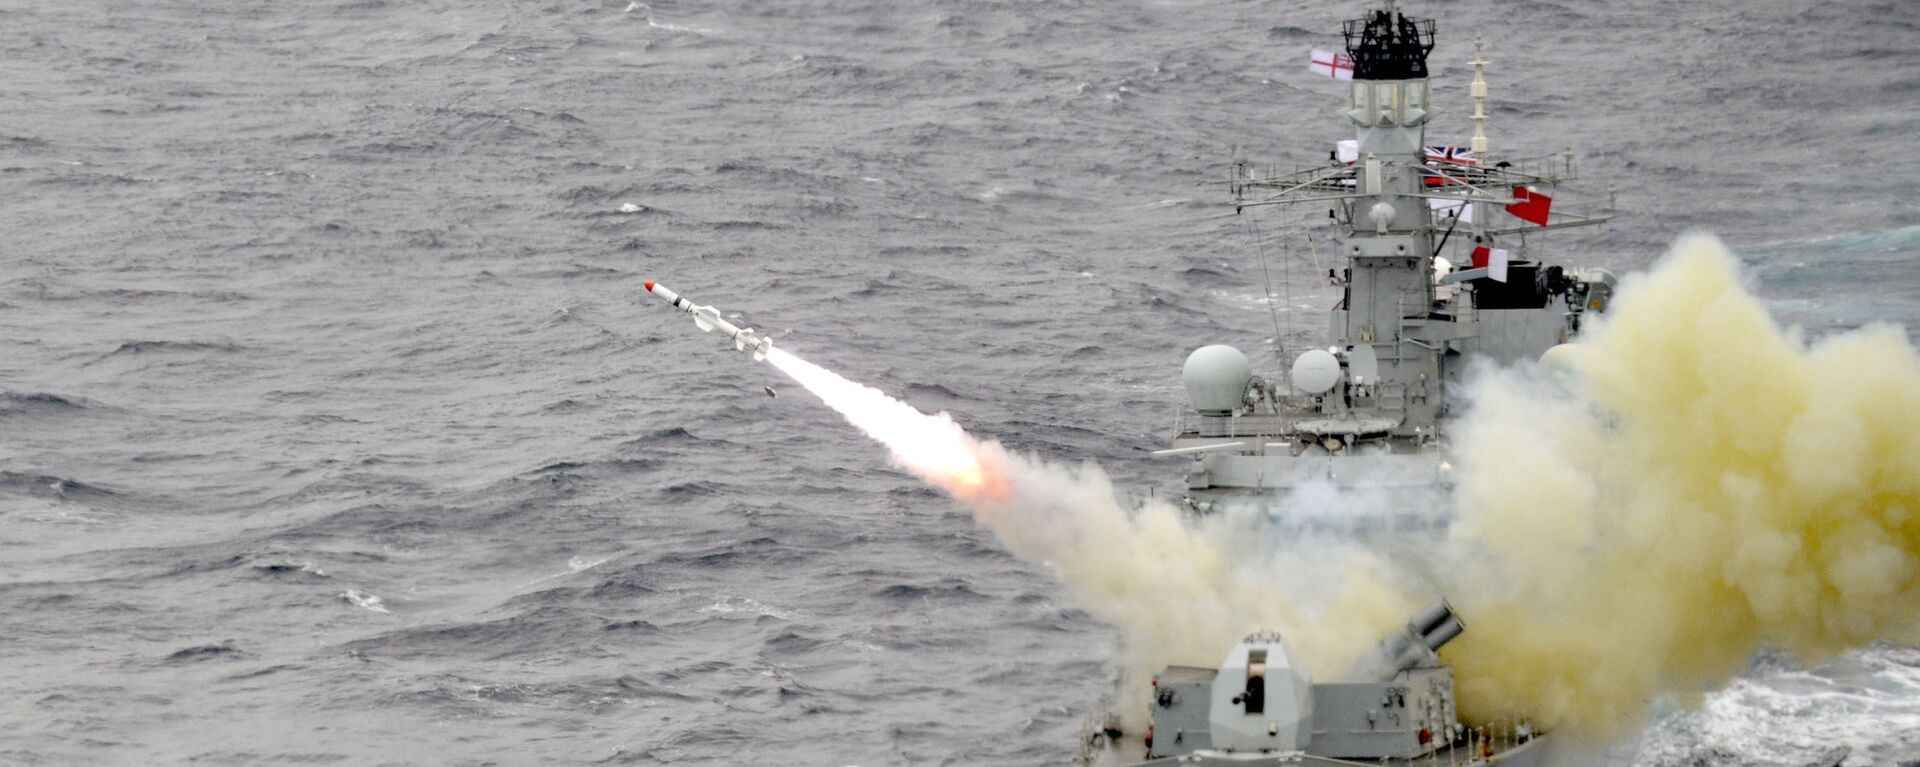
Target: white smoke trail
933, 447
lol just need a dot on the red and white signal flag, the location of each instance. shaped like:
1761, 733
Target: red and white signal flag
1338, 66
1497, 265
1532, 206
1494, 260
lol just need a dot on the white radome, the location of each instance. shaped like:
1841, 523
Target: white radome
1316, 371
1216, 378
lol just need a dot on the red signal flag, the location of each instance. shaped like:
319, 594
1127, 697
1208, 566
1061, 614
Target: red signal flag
1532, 206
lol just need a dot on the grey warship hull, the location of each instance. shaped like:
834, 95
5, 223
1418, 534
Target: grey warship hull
1529, 754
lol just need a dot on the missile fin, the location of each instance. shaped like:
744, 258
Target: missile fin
705, 317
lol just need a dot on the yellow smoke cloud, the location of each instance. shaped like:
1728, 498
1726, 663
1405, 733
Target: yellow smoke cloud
1702, 485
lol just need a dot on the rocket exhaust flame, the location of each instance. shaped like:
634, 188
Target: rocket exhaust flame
933, 447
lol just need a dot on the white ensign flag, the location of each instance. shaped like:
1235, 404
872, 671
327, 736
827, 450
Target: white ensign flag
1338, 66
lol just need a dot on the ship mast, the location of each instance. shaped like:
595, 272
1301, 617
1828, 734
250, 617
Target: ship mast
1479, 141
1390, 247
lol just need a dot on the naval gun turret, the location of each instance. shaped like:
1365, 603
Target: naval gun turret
1261, 707
1260, 701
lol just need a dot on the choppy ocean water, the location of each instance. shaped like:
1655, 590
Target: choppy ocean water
333, 429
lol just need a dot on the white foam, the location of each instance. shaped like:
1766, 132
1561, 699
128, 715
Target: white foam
1794, 715
729, 604
363, 599
651, 22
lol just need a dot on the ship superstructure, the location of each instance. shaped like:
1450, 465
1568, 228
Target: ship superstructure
1437, 271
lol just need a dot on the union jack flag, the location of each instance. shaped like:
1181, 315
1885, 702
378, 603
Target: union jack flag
1457, 155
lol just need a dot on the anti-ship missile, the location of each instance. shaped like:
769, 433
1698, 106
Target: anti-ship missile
708, 319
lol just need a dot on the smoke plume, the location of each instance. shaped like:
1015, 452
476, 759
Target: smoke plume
1180, 590
1183, 590
1698, 485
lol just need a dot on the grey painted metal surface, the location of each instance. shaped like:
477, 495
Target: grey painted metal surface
1395, 707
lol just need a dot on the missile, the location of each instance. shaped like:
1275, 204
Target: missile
708, 319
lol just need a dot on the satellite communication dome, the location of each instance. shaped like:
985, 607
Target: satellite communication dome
1316, 371
1216, 378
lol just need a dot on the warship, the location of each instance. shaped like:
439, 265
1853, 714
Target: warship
1437, 271
1436, 244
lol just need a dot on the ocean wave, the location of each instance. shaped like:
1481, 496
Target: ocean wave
50, 486
34, 403
172, 347
201, 653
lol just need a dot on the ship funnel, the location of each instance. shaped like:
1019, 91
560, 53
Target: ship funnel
1413, 646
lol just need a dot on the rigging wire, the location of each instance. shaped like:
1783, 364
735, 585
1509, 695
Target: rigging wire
1286, 286
1279, 340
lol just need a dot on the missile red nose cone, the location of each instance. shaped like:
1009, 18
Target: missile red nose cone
649, 286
